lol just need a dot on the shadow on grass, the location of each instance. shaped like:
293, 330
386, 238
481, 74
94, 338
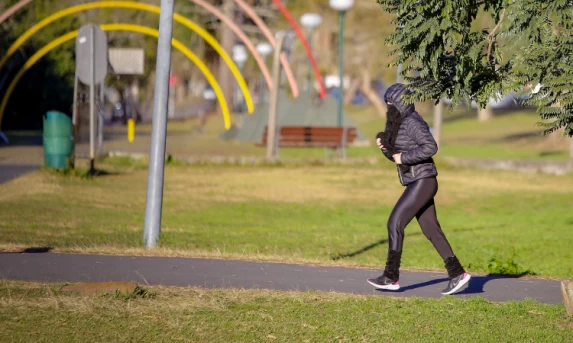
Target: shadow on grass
80, 173
518, 136
340, 256
31, 250
37, 250
470, 113
99, 172
550, 153
467, 114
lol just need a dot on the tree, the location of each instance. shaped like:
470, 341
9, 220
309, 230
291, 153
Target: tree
446, 56
51, 80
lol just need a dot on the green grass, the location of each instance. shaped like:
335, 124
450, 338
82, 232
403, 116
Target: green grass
320, 214
497, 222
34, 312
510, 135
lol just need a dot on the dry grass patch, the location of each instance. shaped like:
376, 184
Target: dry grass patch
291, 184
33, 183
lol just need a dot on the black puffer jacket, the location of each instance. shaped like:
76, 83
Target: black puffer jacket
414, 139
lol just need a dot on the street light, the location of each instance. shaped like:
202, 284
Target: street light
239, 57
341, 6
264, 49
310, 21
239, 54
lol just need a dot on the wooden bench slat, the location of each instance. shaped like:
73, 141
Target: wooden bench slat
317, 131
312, 132
302, 136
316, 137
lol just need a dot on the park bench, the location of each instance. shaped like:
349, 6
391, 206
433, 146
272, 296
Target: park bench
307, 136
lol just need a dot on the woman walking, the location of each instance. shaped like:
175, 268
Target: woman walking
407, 141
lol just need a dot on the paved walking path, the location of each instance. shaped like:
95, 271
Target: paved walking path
170, 271
12, 171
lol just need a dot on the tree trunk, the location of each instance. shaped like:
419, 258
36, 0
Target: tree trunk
371, 95
438, 110
180, 92
485, 114
350, 93
567, 292
571, 149
227, 41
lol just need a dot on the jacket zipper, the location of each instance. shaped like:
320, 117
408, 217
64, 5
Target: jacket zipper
413, 172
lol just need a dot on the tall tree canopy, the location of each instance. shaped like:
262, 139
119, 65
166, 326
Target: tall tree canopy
446, 54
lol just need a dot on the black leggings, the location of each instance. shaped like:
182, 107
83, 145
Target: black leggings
418, 201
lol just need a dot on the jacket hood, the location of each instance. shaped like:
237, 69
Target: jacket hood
394, 95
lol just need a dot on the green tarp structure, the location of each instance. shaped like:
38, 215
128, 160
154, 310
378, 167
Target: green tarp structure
291, 112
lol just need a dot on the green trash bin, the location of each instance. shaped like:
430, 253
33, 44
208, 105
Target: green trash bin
58, 141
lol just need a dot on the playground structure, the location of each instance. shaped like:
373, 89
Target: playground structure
128, 28
185, 21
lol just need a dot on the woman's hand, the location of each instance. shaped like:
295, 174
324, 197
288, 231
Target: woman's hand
398, 158
379, 143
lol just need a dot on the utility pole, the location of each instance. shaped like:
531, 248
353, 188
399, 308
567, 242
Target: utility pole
92, 100
155, 179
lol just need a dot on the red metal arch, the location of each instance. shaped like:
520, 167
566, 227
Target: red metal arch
301, 36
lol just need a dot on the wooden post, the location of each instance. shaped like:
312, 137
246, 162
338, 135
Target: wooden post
567, 292
273, 101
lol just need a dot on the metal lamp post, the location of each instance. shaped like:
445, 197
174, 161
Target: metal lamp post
264, 49
310, 21
341, 6
239, 57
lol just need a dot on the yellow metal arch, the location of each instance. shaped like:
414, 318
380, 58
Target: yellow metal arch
120, 27
144, 7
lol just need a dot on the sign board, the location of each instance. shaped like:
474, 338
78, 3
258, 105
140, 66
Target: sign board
84, 46
127, 61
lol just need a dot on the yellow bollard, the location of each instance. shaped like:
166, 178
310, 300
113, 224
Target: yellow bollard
130, 130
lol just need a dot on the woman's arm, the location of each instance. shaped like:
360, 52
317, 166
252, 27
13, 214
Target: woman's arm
387, 154
419, 132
